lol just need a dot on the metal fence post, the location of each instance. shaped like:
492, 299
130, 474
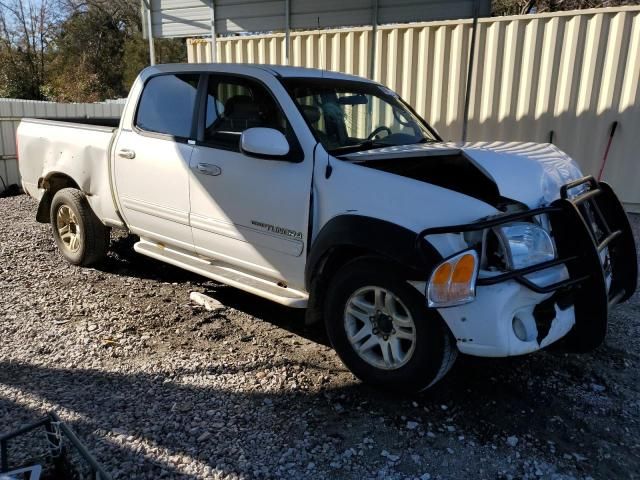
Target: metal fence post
374, 39
472, 52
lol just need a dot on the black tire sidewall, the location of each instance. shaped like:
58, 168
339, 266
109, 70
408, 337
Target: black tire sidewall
64, 197
427, 359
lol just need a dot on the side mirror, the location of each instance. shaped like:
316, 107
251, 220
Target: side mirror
267, 143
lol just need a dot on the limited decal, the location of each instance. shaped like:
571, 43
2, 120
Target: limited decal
278, 230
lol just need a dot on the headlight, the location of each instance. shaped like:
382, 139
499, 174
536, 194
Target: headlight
525, 244
453, 282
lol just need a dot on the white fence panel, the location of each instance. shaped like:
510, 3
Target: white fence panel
570, 73
12, 110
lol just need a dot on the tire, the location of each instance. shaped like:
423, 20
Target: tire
433, 350
80, 236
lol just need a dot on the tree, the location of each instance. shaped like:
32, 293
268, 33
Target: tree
100, 44
136, 57
74, 50
26, 30
521, 7
89, 47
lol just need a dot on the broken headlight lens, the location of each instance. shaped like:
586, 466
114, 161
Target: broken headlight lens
525, 244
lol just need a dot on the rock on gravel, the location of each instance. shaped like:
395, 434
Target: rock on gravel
412, 425
160, 387
512, 441
206, 301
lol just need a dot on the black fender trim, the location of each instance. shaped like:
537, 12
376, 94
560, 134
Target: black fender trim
44, 207
53, 182
375, 236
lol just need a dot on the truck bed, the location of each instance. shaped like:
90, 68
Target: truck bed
75, 148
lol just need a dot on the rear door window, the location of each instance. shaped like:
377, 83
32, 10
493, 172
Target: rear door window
167, 105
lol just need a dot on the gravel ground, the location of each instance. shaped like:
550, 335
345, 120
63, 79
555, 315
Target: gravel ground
158, 387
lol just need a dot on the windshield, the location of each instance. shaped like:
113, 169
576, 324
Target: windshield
349, 116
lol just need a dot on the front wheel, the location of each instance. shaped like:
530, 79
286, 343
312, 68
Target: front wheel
80, 236
382, 330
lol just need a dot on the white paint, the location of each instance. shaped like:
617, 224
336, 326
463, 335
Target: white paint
484, 327
264, 141
48, 147
247, 223
523, 171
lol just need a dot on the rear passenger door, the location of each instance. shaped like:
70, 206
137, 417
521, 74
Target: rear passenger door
246, 211
151, 165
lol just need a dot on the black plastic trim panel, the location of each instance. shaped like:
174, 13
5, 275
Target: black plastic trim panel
376, 236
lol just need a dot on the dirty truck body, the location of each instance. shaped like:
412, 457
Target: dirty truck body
326, 191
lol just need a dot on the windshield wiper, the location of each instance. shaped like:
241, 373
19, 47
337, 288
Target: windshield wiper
359, 147
427, 140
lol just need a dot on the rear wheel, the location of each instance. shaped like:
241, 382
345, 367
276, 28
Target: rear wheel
382, 330
80, 236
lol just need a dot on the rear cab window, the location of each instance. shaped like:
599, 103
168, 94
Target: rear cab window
167, 105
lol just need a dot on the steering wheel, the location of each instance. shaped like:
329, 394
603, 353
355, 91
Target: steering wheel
380, 129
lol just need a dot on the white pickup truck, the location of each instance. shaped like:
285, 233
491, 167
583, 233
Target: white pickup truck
326, 191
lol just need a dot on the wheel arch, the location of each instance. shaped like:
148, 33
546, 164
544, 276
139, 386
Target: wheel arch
348, 236
51, 183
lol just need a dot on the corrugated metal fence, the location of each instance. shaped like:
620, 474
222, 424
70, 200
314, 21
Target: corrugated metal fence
12, 110
570, 73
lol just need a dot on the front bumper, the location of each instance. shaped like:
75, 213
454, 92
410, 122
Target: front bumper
596, 268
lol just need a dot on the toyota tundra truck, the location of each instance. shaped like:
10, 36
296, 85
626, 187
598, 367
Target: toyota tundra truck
328, 192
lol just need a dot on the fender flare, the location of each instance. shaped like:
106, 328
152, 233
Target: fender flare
51, 183
373, 235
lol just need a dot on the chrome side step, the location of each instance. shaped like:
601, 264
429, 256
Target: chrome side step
224, 273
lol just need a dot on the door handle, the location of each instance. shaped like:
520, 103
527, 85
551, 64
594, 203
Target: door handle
126, 153
209, 169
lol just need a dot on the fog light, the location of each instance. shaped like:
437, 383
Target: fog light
519, 329
524, 326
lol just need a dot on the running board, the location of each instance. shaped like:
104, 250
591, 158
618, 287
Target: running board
224, 273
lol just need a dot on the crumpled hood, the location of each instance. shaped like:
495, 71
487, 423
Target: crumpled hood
531, 173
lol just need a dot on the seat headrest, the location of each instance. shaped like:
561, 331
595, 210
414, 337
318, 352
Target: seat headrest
311, 113
241, 107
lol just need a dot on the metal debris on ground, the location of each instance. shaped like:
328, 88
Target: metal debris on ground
65, 456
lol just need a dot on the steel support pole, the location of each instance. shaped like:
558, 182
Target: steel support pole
214, 48
472, 55
374, 38
287, 31
152, 50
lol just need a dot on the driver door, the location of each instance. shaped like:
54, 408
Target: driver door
245, 211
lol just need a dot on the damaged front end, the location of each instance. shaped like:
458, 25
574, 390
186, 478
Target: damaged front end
520, 308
